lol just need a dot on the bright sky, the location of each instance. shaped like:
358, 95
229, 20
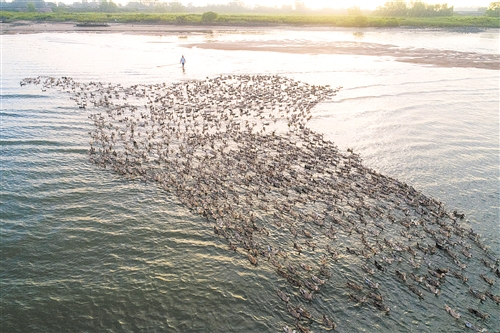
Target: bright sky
363, 4
315, 4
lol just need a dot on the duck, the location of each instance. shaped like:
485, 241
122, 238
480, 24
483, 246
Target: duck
495, 298
401, 275
351, 251
307, 295
327, 322
293, 312
452, 312
303, 329
381, 306
487, 280
416, 291
287, 329
305, 266
317, 280
435, 291
304, 313
371, 284
252, 259
311, 286
375, 297
357, 299
478, 314
354, 286
477, 294
459, 276
307, 233
284, 297
379, 266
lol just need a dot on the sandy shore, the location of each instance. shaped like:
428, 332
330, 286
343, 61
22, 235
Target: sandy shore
29, 27
439, 58
432, 57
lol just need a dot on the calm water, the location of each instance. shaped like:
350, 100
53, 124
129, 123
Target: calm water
83, 249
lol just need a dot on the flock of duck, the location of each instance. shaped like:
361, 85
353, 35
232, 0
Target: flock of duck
236, 150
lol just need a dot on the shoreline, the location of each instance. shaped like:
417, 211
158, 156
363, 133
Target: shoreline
30, 27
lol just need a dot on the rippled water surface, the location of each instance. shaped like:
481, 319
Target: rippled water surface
84, 249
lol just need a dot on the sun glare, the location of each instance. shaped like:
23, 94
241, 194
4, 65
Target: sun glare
318, 4
312, 4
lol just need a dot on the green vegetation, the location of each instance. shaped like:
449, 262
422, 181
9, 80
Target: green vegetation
255, 20
30, 7
209, 17
413, 9
108, 7
493, 9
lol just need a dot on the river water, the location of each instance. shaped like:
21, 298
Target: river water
84, 249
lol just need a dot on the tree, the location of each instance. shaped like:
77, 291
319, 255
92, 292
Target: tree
444, 10
22, 5
393, 8
421, 9
209, 17
493, 9
108, 7
176, 7
236, 5
30, 7
354, 11
418, 9
299, 6
414, 8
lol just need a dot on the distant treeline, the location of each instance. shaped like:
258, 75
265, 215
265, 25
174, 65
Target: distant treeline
413, 9
156, 6
396, 8
421, 9
392, 14
212, 18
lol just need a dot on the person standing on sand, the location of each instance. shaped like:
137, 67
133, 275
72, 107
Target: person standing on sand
183, 61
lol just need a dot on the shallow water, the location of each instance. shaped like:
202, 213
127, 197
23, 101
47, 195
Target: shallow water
86, 250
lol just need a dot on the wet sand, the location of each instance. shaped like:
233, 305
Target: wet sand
439, 58
28, 27
431, 57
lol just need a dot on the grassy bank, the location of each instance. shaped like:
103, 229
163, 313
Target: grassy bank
257, 20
